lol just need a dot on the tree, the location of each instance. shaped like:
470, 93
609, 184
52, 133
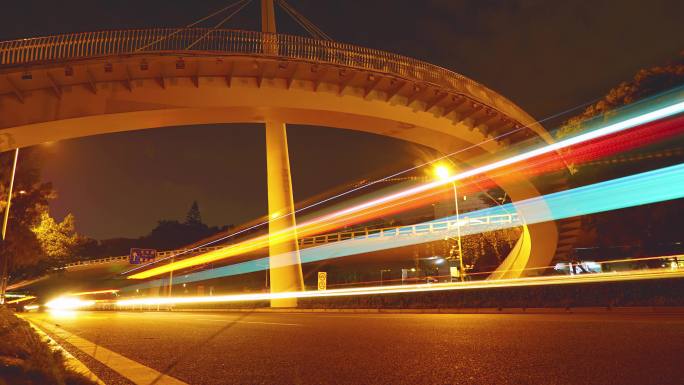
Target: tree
29, 200
642, 230
193, 217
58, 240
646, 82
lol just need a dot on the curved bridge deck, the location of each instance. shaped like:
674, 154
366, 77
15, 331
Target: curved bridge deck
74, 85
292, 58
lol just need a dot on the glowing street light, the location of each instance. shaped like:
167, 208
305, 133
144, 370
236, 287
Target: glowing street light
443, 172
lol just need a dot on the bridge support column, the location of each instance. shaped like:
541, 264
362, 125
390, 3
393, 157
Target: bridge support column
285, 268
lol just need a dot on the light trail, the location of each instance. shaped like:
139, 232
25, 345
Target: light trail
22, 299
669, 259
12, 295
365, 185
82, 293
316, 224
404, 289
71, 301
634, 190
68, 303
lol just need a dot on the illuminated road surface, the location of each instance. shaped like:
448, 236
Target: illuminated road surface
267, 348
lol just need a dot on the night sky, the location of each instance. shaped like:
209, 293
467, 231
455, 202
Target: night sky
547, 56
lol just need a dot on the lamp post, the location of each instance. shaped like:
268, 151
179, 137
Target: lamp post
443, 172
5, 259
171, 277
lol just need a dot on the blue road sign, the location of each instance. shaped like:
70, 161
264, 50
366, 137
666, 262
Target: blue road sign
138, 256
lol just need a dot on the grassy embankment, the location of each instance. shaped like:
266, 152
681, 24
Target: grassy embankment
27, 360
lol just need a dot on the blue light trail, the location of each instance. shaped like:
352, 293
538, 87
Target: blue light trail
635, 190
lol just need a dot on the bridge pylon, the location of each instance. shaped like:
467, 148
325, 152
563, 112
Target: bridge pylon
285, 266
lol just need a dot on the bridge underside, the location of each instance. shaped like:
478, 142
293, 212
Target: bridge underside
116, 94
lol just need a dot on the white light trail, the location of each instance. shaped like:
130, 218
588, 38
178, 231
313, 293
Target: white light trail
396, 289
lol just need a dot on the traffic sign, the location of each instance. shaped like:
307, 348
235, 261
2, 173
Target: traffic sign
322, 280
138, 256
454, 271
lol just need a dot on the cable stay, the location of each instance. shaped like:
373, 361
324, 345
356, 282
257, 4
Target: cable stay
240, 4
305, 23
233, 9
217, 26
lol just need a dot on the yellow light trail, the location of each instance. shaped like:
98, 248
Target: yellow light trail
71, 302
67, 303
419, 288
22, 299
317, 224
112, 291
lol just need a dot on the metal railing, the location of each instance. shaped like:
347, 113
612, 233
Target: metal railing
421, 228
186, 41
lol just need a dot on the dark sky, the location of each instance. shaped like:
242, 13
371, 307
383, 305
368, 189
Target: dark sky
547, 56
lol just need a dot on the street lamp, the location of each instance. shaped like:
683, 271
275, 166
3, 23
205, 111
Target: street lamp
5, 260
444, 172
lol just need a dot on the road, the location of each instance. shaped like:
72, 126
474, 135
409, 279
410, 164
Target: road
347, 348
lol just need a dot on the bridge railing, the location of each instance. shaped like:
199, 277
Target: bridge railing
421, 228
160, 254
226, 41
393, 231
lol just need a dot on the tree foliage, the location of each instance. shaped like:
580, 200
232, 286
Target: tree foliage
29, 200
646, 82
194, 217
167, 235
636, 231
57, 239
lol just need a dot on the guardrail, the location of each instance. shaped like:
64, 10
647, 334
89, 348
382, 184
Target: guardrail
24, 52
394, 231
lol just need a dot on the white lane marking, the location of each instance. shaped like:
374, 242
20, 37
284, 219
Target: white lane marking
366, 317
70, 361
132, 370
246, 322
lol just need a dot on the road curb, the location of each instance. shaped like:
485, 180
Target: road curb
131, 370
487, 310
70, 361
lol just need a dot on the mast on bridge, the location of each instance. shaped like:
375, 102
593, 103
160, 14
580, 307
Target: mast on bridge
285, 268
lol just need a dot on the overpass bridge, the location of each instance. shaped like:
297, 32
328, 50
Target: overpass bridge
75, 85
387, 233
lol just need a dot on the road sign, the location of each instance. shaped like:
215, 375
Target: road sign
138, 256
322, 280
454, 271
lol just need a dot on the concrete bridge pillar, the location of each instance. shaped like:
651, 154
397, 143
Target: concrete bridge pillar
285, 267
285, 264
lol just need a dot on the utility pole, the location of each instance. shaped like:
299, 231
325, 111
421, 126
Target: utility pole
5, 259
171, 277
458, 234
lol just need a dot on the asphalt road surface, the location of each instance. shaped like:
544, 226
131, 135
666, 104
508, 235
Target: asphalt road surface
346, 348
